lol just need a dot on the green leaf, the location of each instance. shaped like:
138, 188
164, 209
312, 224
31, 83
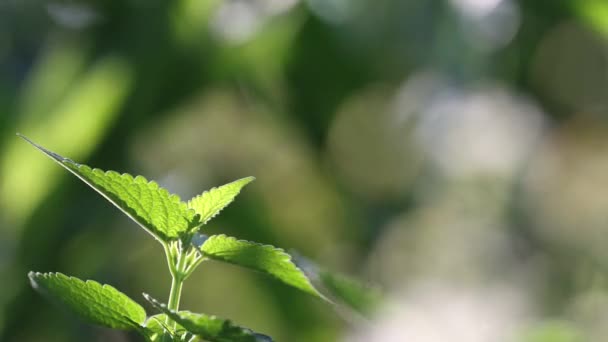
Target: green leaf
96, 303
157, 211
211, 202
209, 328
155, 328
362, 298
343, 289
263, 258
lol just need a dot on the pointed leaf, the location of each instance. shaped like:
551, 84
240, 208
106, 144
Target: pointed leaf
343, 289
263, 258
359, 297
211, 202
209, 328
96, 303
161, 214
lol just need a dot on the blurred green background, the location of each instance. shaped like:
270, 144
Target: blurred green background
454, 152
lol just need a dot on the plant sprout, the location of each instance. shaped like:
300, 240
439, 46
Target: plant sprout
178, 226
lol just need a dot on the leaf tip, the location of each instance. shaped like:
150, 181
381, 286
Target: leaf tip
25, 138
149, 298
155, 303
43, 150
246, 180
33, 276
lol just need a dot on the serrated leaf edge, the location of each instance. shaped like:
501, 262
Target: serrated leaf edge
249, 178
62, 160
163, 308
286, 257
33, 275
173, 197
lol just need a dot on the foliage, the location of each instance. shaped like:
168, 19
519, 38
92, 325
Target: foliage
337, 107
178, 227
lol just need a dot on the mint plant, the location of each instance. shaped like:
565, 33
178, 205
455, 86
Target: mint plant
178, 226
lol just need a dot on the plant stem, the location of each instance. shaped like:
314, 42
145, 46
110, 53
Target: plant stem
175, 294
177, 283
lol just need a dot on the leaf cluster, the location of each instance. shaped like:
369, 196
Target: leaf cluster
178, 226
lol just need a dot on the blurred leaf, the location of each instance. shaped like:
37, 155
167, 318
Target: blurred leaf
595, 13
351, 292
50, 80
99, 304
263, 57
554, 332
263, 258
74, 123
157, 211
210, 328
190, 19
211, 202
341, 288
